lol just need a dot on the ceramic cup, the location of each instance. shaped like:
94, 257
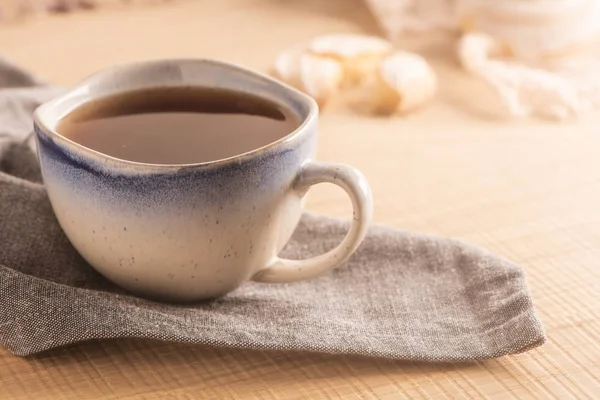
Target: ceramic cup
195, 231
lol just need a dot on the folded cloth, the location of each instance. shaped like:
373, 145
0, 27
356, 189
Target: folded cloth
402, 295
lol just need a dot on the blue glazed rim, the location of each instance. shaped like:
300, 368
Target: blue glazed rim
82, 153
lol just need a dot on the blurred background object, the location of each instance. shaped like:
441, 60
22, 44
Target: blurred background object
12, 10
397, 17
534, 57
540, 30
540, 57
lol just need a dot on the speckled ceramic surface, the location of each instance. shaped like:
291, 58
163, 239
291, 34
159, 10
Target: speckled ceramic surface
197, 231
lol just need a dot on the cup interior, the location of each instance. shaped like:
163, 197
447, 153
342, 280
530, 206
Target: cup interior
174, 73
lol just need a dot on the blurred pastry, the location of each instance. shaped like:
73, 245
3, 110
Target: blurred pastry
358, 55
319, 77
404, 82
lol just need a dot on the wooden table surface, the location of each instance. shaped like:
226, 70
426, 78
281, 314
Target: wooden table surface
527, 190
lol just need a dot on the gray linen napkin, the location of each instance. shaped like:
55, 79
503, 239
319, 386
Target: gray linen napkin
402, 295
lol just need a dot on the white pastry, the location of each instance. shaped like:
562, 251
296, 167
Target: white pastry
319, 77
358, 55
405, 81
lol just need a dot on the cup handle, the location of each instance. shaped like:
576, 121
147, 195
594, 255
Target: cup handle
283, 270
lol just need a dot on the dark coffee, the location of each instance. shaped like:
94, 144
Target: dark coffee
181, 125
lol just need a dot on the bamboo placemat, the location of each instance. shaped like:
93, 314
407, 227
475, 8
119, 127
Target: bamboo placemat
528, 190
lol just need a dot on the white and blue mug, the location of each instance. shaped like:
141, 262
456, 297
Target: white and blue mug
195, 231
